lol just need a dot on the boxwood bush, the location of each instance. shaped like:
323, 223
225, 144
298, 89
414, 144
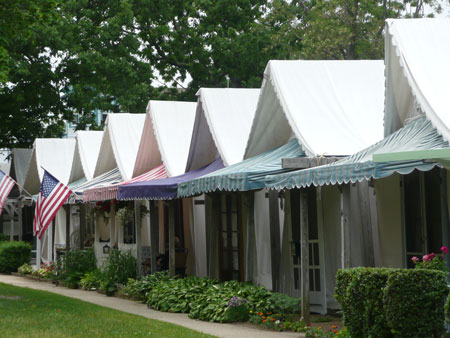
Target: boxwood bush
392, 302
13, 255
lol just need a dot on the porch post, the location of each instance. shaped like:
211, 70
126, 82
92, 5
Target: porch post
11, 223
112, 224
345, 232
52, 243
82, 214
171, 238
38, 252
137, 224
154, 233
444, 214
304, 238
19, 211
275, 246
68, 211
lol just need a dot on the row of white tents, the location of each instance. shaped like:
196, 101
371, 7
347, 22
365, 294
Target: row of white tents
280, 185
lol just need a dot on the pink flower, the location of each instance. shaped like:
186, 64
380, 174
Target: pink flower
431, 255
426, 258
415, 259
444, 250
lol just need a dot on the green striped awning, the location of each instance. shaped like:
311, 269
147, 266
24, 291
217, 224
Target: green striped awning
418, 134
245, 175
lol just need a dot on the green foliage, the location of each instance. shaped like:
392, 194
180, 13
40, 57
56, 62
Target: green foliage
447, 308
3, 237
392, 302
13, 255
236, 314
284, 304
74, 265
432, 261
177, 295
117, 269
139, 289
25, 269
422, 290
91, 280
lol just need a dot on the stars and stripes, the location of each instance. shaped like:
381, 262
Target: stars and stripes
52, 196
6, 184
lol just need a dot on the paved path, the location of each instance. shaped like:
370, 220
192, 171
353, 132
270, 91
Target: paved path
215, 329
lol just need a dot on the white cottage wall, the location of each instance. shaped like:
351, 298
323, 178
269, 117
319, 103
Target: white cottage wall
388, 197
262, 236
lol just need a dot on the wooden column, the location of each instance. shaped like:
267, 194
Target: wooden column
345, 231
304, 238
52, 246
171, 238
83, 226
11, 223
248, 218
275, 245
38, 252
19, 211
138, 227
112, 225
154, 233
68, 212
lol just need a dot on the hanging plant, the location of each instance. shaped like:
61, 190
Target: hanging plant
126, 214
102, 209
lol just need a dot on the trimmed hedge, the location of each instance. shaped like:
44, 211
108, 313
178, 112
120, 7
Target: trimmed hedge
380, 302
13, 255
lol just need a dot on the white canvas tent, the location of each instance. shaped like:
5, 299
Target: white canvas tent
120, 144
56, 156
87, 150
331, 107
222, 125
417, 73
166, 137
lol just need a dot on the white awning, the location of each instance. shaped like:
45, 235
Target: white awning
87, 149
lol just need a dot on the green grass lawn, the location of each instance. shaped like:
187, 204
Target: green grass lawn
32, 313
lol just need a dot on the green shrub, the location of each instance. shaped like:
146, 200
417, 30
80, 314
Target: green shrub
212, 304
139, 289
392, 302
284, 304
91, 281
74, 265
13, 255
4, 238
360, 291
177, 295
117, 269
414, 300
25, 269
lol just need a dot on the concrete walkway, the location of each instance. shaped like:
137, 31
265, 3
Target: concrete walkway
215, 329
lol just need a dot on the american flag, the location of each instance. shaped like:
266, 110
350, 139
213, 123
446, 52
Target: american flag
52, 196
6, 184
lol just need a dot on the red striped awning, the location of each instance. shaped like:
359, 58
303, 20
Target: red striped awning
109, 192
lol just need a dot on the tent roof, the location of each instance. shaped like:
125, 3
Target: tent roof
332, 107
166, 137
246, 175
222, 125
418, 72
55, 155
418, 134
120, 143
87, 149
163, 189
20, 161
